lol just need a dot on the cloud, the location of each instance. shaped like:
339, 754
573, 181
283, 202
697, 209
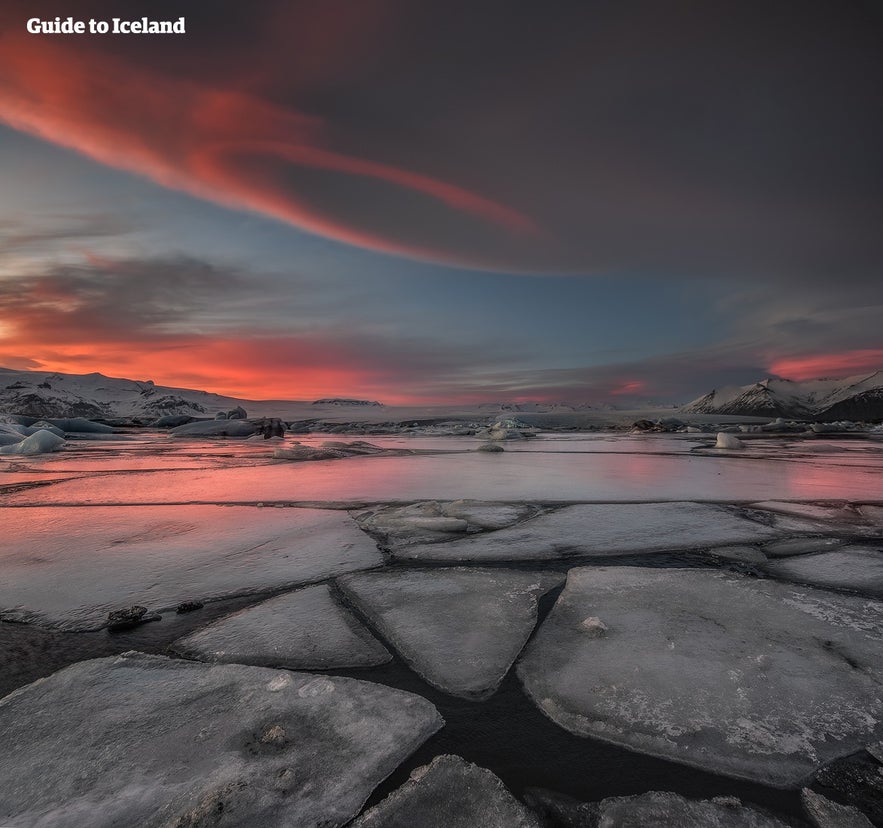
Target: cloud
577, 138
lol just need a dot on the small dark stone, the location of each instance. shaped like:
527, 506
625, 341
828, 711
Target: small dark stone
189, 606
125, 619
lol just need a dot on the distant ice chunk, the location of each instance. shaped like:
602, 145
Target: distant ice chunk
80, 425
215, 428
745, 677
853, 567
459, 628
601, 529
40, 442
303, 630
449, 793
728, 441
68, 567
150, 741
847, 513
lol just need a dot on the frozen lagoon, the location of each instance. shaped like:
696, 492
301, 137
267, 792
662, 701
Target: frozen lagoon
149, 520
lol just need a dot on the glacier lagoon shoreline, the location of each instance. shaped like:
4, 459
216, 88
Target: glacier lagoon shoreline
505, 751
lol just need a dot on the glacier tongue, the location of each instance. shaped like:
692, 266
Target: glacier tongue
749, 678
149, 741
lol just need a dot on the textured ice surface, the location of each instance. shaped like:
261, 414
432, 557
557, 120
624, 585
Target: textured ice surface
449, 793
749, 678
149, 741
306, 629
843, 518
741, 554
800, 546
459, 628
668, 809
852, 567
826, 814
601, 529
68, 567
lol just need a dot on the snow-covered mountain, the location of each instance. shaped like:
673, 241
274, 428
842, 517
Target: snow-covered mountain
40, 394
854, 398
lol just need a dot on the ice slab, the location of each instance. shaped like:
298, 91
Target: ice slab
735, 675
68, 567
841, 517
740, 554
852, 567
661, 808
601, 529
823, 813
306, 629
459, 628
151, 741
800, 546
449, 793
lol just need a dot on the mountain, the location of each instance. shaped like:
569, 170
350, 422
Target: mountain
95, 396
824, 400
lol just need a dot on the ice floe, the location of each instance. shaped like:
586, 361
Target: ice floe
601, 529
739, 676
69, 567
459, 628
852, 567
150, 741
449, 793
305, 629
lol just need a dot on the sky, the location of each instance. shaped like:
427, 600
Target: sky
456, 202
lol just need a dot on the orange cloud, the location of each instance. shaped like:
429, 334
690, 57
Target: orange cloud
828, 365
220, 144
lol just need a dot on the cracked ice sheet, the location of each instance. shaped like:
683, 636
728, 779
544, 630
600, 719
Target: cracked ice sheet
302, 630
459, 628
601, 529
852, 567
68, 567
151, 741
747, 678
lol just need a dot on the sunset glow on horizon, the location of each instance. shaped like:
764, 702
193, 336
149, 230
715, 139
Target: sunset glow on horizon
290, 202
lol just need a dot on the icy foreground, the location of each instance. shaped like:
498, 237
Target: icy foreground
449, 793
68, 567
302, 630
144, 740
459, 628
601, 529
748, 678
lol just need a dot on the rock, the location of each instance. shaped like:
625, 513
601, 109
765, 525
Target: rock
67, 567
593, 626
151, 741
305, 629
600, 529
728, 441
459, 628
735, 675
449, 793
826, 814
490, 447
188, 606
133, 616
852, 567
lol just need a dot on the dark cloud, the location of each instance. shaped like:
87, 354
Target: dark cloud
710, 139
